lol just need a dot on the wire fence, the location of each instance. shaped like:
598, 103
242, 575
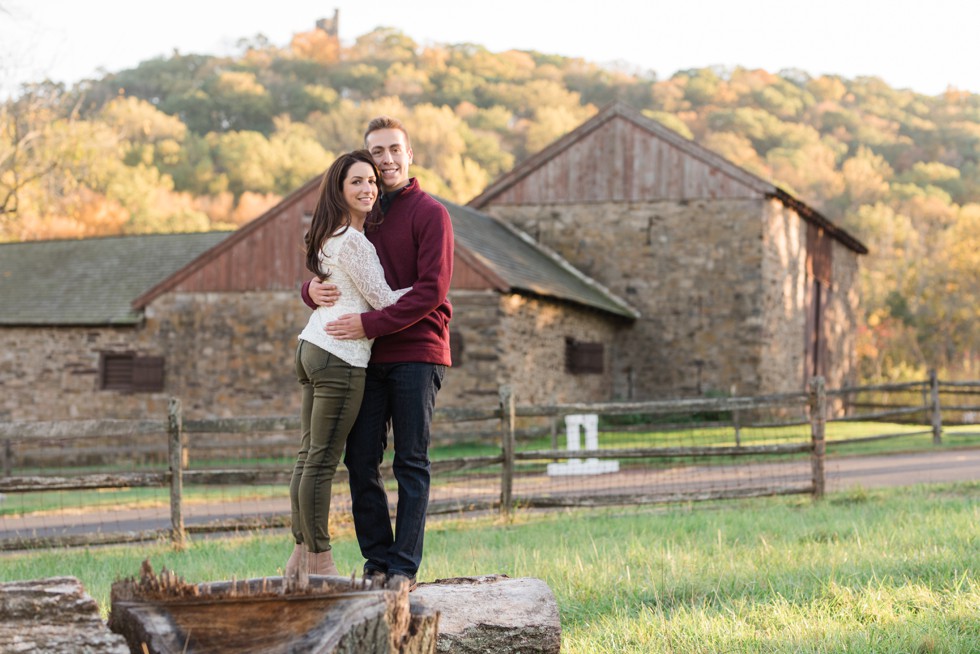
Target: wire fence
656, 452
89, 482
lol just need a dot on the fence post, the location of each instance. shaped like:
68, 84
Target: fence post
818, 418
735, 419
937, 414
175, 449
507, 419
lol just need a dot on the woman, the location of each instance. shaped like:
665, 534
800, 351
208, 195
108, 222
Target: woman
332, 371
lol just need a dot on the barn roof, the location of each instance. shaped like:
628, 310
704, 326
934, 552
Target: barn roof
108, 281
89, 281
724, 172
507, 259
519, 264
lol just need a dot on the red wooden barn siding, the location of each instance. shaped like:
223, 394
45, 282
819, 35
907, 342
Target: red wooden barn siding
266, 255
466, 277
622, 162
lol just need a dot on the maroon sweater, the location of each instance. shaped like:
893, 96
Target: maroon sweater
415, 246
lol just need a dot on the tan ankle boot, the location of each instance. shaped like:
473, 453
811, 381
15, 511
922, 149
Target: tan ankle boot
321, 563
293, 564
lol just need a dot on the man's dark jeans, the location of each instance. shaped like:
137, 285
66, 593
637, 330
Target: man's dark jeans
405, 395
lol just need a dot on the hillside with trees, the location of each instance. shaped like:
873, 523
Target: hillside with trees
197, 142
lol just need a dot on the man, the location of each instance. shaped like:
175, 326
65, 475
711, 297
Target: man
414, 242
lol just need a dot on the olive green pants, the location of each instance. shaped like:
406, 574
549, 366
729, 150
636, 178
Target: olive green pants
332, 393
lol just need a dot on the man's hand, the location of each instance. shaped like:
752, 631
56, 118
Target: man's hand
323, 294
346, 327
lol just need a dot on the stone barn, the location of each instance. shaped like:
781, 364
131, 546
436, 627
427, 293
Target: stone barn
623, 262
112, 327
741, 288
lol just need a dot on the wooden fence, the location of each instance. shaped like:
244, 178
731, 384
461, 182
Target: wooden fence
809, 412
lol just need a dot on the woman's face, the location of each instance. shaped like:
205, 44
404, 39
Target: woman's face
360, 188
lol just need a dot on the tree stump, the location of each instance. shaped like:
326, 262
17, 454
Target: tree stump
160, 614
53, 615
493, 615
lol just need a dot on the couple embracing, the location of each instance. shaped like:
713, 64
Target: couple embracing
382, 252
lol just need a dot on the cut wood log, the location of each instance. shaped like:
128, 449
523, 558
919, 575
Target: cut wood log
493, 614
53, 615
465, 615
160, 614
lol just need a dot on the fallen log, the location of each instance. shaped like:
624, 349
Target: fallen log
162, 614
493, 615
53, 615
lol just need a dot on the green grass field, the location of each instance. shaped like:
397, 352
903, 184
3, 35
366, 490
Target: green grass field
881, 571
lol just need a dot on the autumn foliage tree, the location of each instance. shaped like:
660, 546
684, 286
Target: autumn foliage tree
26, 135
193, 142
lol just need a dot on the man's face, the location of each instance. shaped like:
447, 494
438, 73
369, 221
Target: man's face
389, 148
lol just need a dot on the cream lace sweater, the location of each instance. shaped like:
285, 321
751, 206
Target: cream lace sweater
354, 267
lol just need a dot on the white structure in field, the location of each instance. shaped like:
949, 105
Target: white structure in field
590, 423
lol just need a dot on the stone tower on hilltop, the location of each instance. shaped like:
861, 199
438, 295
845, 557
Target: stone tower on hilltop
330, 25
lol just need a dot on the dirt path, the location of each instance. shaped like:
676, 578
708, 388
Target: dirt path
903, 469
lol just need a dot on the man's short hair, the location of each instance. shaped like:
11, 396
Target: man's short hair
387, 122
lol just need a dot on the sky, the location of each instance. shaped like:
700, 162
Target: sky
914, 44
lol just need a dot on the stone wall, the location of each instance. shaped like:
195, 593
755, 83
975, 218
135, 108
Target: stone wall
231, 354
519, 341
843, 314
534, 359
51, 373
693, 270
477, 324
226, 354
781, 367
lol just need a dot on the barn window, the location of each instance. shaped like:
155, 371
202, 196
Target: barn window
124, 371
583, 358
456, 348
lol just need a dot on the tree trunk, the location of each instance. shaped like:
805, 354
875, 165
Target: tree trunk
53, 615
160, 614
493, 615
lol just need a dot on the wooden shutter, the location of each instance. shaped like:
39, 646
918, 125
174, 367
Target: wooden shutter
584, 358
148, 374
116, 372
124, 371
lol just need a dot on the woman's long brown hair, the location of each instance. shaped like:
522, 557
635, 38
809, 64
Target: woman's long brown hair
331, 212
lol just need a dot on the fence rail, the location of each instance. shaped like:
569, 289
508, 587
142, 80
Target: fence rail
655, 452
